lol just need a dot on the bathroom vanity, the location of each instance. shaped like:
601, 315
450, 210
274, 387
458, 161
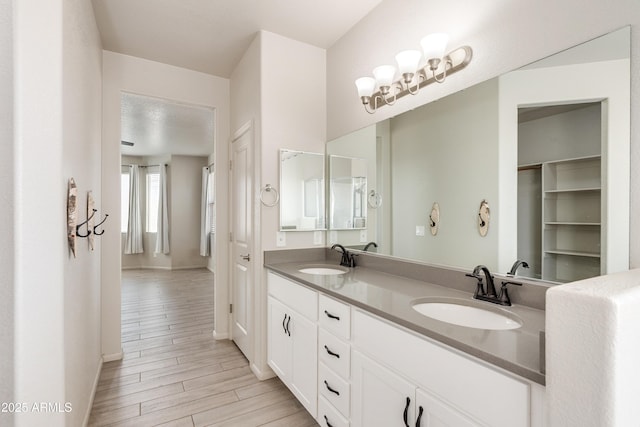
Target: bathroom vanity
352, 346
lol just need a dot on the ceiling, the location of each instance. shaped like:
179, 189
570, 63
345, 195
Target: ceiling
212, 35
209, 36
157, 127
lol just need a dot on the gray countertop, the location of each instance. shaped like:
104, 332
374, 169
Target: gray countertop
390, 297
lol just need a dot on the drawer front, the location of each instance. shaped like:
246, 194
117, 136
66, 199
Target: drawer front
335, 316
292, 294
328, 416
334, 389
334, 353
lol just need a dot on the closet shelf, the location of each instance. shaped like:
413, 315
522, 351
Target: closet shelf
574, 190
575, 223
573, 253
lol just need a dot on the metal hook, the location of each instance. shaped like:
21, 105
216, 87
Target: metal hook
83, 223
99, 224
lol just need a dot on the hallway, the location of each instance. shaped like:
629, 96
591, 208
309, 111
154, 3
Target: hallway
173, 373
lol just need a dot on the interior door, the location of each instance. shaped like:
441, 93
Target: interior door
242, 238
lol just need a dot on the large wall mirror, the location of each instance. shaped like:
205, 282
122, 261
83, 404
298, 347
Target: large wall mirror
547, 147
347, 193
302, 188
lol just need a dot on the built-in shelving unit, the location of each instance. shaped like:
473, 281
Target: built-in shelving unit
571, 216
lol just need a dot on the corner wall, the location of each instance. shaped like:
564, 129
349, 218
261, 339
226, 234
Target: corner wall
82, 125
6, 205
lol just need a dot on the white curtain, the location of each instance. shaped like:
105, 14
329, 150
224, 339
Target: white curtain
205, 219
133, 243
162, 236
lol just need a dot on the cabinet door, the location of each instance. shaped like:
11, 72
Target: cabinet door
279, 347
379, 397
434, 413
304, 361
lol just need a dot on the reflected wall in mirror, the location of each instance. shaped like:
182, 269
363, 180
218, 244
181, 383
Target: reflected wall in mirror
347, 193
494, 141
302, 191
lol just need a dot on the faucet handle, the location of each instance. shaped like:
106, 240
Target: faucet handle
504, 295
479, 284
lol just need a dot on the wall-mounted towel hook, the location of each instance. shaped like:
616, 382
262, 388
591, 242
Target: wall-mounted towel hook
483, 218
99, 224
83, 223
434, 218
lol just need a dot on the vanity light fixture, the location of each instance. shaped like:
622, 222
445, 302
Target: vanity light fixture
383, 89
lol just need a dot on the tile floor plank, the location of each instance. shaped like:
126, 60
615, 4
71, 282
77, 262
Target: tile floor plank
173, 373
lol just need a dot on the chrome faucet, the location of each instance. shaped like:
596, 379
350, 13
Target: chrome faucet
490, 294
514, 267
368, 245
347, 259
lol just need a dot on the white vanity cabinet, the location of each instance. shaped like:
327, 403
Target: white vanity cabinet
292, 348
382, 397
396, 372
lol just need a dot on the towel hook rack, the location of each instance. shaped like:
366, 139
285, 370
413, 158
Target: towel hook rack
83, 223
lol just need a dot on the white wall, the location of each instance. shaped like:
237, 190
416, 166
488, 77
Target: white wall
82, 124
504, 36
184, 219
57, 136
139, 76
6, 203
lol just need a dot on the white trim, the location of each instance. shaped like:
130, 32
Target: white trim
220, 336
112, 357
87, 414
260, 374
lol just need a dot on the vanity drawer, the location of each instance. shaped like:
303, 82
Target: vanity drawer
304, 300
334, 353
335, 316
328, 416
334, 389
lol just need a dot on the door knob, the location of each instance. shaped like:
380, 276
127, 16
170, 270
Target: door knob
246, 257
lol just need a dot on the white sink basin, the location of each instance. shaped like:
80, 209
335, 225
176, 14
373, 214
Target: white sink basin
322, 271
466, 315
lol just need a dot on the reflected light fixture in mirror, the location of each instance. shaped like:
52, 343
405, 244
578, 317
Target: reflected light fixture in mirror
438, 66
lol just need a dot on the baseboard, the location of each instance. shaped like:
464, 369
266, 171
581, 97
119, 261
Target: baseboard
112, 357
221, 335
210, 269
262, 374
159, 267
87, 414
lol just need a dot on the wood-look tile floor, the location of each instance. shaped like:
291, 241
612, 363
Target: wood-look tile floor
174, 373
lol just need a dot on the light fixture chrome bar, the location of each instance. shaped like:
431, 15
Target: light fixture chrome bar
454, 61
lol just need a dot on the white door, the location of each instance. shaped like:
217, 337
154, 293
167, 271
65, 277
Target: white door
304, 360
379, 397
242, 237
434, 413
279, 346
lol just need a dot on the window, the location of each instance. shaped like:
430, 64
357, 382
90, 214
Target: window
211, 202
153, 197
124, 202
